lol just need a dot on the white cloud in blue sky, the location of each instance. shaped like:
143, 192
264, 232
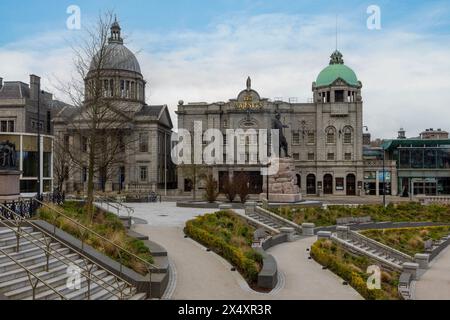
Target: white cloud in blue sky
405, 67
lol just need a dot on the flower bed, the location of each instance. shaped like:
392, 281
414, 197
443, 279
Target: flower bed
230, 237
408, 240
402, 212
107, 225
352, 268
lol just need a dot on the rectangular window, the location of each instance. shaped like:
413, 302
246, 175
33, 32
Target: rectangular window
339, 95
84, 144
143, 173
4, 126
311, 156
143, 142
84, 174
348, 137
296, 156
348, 156
296, 137
339, 184
11, 126
330, 156
49, 122
311, 138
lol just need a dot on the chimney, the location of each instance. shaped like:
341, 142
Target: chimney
35, 85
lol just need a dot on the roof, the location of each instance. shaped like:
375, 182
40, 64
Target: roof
14, 90
395, 143
337, 70
117, 57
152, 111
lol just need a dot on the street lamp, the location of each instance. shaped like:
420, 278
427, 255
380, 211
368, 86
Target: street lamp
384, 179
39, 143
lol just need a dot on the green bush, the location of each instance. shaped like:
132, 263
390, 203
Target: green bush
230, 237
108, 226
352, 269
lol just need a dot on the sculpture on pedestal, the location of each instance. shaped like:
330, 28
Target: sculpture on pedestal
278, 125
7, 155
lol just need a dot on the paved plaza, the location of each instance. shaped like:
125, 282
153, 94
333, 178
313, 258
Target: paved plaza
204, 275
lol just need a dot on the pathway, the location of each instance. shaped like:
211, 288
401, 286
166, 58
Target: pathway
435, 283
204, 275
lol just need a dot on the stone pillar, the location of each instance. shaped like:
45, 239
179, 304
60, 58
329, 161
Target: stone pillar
308, 229
342, 232
250, 207
9, 184
422, 259
290, 233
323, 235
225, 206
411, 268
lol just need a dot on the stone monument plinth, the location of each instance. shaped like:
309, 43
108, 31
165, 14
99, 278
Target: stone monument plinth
283, 186
9, 184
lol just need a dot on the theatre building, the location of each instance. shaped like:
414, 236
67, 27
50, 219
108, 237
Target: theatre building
324, 136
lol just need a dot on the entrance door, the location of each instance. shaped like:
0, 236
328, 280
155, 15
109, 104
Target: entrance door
255, 181
351, 185
311, 184
328, 184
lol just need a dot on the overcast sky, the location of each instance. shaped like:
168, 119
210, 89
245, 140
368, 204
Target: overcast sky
201, 50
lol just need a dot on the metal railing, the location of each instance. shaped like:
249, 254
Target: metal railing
120, 250
116, 205
124, 288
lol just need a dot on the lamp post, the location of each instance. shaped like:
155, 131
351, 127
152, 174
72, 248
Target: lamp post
39, 144
384, 179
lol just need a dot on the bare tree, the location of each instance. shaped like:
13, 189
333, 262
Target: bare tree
62, 166
100, 127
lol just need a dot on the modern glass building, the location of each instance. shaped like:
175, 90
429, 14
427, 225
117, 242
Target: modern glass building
423, 166
27, 155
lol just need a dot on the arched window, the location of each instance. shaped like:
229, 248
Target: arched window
348, 133
331, 135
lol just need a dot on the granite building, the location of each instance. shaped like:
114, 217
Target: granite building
325, 136
19, 123
149, 166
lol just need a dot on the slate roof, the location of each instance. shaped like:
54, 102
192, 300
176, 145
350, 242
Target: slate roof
14, 90
152, 111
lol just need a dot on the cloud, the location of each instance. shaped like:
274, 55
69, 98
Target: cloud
405, 72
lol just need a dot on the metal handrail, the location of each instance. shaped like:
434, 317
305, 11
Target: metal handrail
31, 273
91, 277
120, 249
116, 205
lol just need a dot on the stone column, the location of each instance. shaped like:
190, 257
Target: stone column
290, 233
324, 235
422, 260
411, 268
250, 207
342, 232
308, 229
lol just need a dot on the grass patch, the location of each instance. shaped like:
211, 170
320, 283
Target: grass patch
402, 212
352, 268
231, 237
107, 225
408, 240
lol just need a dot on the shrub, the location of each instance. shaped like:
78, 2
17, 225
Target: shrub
223, 233
243, 186
211, 189
229, 189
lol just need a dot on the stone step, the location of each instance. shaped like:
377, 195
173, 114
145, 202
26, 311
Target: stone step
8, 233
155, 249
55, 280
161, 264
139, 296
27, 253
13, 239
25, 245
43, 275
19, 272
72, 293
28, 261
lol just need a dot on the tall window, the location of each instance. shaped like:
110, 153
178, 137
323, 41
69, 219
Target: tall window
311, 156
348, 156
311, 138
296, 137
348, 135
84, 174
331, 135
330, 156
7, 126
143, 142
84, 144
143, 174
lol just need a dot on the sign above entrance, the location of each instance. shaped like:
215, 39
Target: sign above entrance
248, 103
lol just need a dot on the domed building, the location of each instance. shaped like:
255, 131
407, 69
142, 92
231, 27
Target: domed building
142, 132
325, 135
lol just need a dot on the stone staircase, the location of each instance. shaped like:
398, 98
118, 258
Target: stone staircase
386, 255
266, 220
30, 262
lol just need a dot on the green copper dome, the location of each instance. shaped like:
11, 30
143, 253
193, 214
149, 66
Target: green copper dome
337, 69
